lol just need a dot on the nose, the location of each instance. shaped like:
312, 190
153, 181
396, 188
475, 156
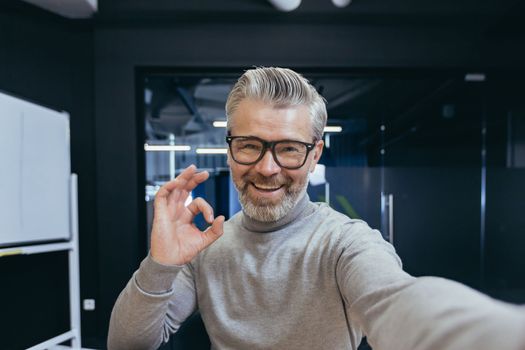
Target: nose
267, 165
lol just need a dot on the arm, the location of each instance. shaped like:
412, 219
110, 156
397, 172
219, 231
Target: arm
154, 304
161, 294
399, 312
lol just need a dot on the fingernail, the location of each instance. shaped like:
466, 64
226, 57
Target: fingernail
210, 218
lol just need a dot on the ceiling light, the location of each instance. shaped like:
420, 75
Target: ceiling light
333, 129
211, 150
158, 148
219, 123
341, 3
475, 77
285, 5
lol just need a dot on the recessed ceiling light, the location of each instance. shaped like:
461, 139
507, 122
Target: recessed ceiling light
475, 77
333, 128
160, 148
211, 150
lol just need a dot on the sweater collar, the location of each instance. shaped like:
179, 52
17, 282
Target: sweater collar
298, 211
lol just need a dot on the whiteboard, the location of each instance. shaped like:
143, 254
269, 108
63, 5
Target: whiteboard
34, 173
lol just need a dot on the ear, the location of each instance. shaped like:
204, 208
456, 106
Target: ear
317, 151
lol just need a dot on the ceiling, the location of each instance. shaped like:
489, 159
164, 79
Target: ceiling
484, 13
494, 19
497, 18
357, 7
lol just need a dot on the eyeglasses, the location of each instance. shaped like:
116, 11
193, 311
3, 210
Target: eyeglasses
288, 154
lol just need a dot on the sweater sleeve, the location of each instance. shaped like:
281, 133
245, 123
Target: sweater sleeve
397, 311
152, 306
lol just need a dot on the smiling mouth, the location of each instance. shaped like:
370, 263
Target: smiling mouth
266, 188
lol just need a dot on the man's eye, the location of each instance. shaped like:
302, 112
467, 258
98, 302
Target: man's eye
250, 147
289, 148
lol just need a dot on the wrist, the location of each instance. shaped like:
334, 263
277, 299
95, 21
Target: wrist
170, 261
154, 277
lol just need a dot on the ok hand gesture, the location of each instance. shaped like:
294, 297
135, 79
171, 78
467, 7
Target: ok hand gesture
175, 240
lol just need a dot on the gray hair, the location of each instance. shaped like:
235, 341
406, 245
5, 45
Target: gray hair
281, 87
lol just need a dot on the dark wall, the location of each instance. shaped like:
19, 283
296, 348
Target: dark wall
49, 60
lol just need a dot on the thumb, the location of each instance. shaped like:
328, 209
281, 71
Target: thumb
216, 230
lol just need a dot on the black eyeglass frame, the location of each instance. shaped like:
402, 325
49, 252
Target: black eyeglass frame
271, 146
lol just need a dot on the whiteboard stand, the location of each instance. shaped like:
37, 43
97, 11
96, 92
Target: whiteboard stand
74, 279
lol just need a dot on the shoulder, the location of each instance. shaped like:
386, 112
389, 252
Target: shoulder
348, 232
335, 219
337, 229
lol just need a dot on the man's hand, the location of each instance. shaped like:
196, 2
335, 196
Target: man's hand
175, 240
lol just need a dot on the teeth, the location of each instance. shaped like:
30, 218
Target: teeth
263, 187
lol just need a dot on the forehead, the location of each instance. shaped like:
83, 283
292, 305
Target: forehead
264, 120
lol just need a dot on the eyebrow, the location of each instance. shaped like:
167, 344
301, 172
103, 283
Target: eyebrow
260, 138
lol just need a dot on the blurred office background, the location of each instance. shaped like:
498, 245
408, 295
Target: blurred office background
427, 100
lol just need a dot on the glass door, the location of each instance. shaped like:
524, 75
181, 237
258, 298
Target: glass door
432, 141
505, 189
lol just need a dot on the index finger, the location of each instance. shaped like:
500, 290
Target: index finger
179, 195
186, 180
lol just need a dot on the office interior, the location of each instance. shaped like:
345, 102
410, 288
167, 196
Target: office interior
428, 145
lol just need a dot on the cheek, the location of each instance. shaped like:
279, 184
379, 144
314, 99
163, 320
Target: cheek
306, 168
312, 162
297, 177
237, 171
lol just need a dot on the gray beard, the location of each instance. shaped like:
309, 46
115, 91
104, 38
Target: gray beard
267, 212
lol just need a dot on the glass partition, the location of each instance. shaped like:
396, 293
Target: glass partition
435, 161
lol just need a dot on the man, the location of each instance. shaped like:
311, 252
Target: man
287, 273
